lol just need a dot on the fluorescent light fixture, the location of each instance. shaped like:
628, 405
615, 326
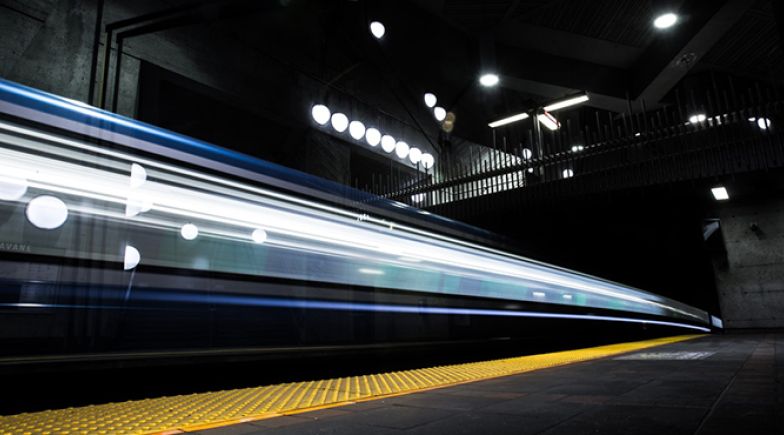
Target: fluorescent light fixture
377, 29
568, 102
440, 113
401, 149
489, 80
320, 114
131, 257
189, 231
259, 235
356, 129
720, 193
665, 21
388, 143
549, 121
508, 120
427, 160
430, 100
415, 155
46, 212
368, 271
339, 122
12, 188
567, 173
567, 296
700, 117
539, 294
372, 136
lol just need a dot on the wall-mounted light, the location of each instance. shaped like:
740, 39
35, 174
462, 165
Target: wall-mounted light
567, 173
356, 129
189, 231
401, 149
372, 136
46, 212
388, 143
339, 122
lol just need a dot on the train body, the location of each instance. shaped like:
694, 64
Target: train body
119, 238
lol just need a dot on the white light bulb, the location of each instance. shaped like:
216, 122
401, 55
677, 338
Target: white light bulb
12, 188
430, 100
401, 149
415, 155
377, 29
189, 231
527, 153
372, 136
700, 117
439, 113
567, 173
131, 257
356, 129
320, 114
259, 235
388, 143
339, 122
763, 123
665, 20
46, 212
488, 80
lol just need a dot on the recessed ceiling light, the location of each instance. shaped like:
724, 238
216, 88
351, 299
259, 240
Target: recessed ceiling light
720, 193
489, 80
377, 29
665, 21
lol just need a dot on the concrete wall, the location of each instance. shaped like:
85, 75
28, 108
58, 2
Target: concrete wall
47, 44
751, 286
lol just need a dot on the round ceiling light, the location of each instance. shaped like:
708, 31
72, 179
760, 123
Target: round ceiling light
356, 129
388, 143
377, 29
665, 21
427, 160
401, 149
131, 257
339, 122
46, 212
372, 136
415, 155
440, 113
320, 114
489, 80
430, 100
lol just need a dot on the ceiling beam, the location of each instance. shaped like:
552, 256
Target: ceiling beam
672, 55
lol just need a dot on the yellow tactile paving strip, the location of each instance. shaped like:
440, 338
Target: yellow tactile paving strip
193, 412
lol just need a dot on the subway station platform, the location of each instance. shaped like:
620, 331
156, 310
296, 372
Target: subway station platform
721, 384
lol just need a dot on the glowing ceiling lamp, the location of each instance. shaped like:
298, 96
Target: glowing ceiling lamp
12, 188
388, 143
356, 129
720, 193
430, 100
427, 160
189, 231
415, 155
259, 235
440, 113
377, 29
131, 257
372, 136
320, 114
665, 21
489, 80
339, 122
508, 120
401, 149
549, 121
567, 102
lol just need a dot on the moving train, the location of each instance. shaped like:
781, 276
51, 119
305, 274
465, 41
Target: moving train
123, 240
